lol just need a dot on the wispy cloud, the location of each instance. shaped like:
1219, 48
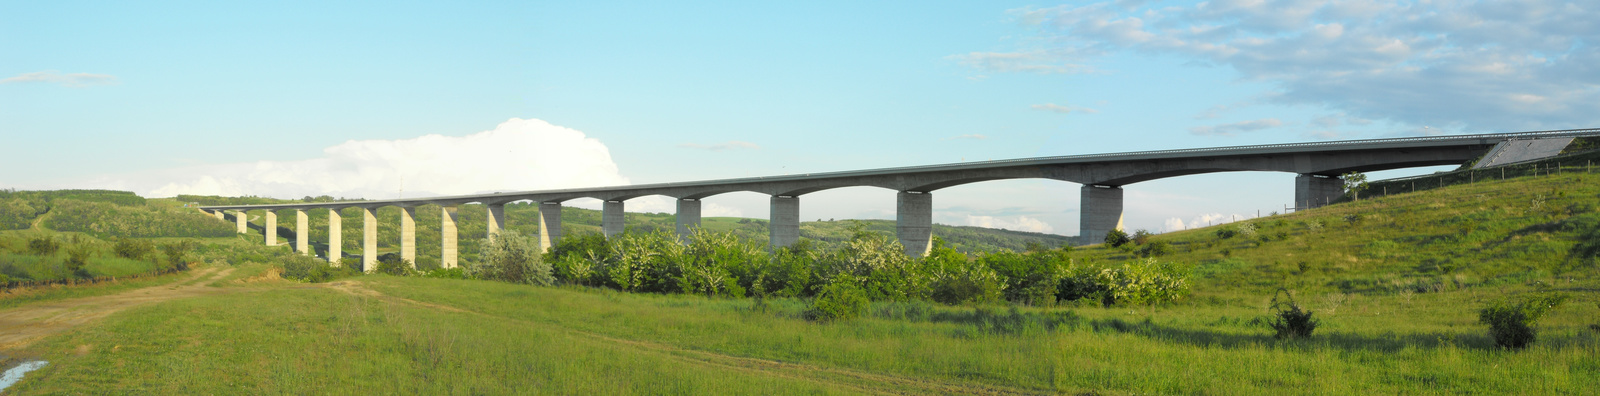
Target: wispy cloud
1041, 62
1236, 128
75, 80
1063, 109
972, 136
729, 145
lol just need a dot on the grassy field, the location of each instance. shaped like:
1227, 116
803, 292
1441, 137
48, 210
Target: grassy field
1396, 281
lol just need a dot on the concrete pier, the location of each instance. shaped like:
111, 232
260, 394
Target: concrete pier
688, 217
369, 240
335, 237
447, 237
271, 229
1100, 211
1312, 191
549, 225
497, 218
408, 235
219, 214
784, 229
241, 217
913, 222
611, 220
301, 237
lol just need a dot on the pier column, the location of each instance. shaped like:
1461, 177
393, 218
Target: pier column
1313, 191
219, 214
497, 218
300, 235
549, 225
913, 222
1100, 211
271, 229
784, 229
335, 237
408, 235
447, 237
369, 240
241, 217
611, 220
688, 217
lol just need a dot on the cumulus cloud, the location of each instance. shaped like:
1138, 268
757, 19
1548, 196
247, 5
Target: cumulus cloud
1063, 109
1236, 128
1203, 220
729, 145
516, 155
75, 80
1020, 223
1476, 65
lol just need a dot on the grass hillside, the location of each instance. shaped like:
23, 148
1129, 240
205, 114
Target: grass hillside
1396, 283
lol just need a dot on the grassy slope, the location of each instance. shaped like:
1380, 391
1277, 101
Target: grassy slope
1379, 334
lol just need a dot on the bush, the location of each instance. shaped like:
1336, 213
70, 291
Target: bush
841, 300
175, 252
1290, 321
1116, 238
136, 249
392, 264
310, 269
1511, 320
1143, 282
1141, 237
1031, 278
957, 280
43, 246
511, 258
1155, 249
1226, 232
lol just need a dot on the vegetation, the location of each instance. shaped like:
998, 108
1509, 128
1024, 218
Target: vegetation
1511, 320
1290, 320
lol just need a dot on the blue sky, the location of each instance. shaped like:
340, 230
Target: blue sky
291, 99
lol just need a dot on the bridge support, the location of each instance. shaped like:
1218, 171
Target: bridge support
1100, 211
497, 218
611, 221
784, 229
688, 217
270, 231
369, 240
549, 225
408, 235
335, 237
447, 237
241, 217
913, 221
219, 214
300, 234
1313, 191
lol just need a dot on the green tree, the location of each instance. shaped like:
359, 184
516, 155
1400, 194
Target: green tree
510, 257
1354, 183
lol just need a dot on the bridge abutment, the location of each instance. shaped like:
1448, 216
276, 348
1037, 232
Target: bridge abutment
1100, 211
913, 221
447, 237
369, 240
408, 235
784, 228
688, 217
335, 237
549, 225
1313, 191
611, 219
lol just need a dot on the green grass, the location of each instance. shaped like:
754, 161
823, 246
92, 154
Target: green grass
52, 293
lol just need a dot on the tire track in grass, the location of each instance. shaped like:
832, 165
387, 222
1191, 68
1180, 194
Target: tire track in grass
851, 379
22, 326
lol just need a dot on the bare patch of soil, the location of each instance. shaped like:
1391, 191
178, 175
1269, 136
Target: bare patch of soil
21, 326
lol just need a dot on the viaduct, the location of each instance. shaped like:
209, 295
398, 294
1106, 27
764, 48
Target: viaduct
1103, 176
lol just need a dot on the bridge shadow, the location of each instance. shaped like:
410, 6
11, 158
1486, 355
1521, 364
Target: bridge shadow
1013, 322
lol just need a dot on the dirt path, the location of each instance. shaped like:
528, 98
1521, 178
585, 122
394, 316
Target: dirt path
23, 325
859, 381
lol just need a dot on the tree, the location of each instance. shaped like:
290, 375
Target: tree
1354, 183
511, 258
1116, 238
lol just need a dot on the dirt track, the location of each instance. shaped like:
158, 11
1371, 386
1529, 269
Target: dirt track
23, 325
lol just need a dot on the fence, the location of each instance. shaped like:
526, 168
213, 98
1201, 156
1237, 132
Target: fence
77, 281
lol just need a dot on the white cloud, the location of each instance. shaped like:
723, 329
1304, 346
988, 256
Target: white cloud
1476, 65
75, 80
1236, 128
1020, 223
1063, 109
1173, 224
516, 155
729, 145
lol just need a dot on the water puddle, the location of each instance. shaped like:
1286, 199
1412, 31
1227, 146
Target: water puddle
15, 373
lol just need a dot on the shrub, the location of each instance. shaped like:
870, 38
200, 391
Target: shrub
392, 264
511, 258
1031, 278
78, 261
1146, 282
840, 300
1290, 321
1246, 230
1116, 238
1140, 237
1511, 320
175, 252
1226, 232
136, 249
310, 269
43, 246
957, 280
1155, 249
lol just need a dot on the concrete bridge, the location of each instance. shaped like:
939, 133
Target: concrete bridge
1103, 176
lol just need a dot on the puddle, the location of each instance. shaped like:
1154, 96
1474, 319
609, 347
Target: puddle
15, 373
